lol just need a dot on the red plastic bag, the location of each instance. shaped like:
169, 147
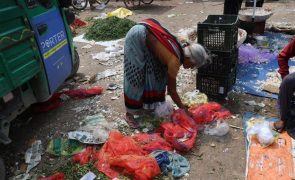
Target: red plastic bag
83, 93
78, 23
180, 138
152, 142
116, 145
206, 113
140, 167
57, 176
89, 155
180, 117
55, 101
181, 132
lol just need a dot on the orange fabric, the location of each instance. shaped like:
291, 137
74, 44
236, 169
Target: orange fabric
272, 162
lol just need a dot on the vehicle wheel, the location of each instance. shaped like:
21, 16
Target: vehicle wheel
2, 169
79, 4
132, 4
102, 1
147, 1
76, 63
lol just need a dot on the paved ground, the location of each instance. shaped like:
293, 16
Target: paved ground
211, 158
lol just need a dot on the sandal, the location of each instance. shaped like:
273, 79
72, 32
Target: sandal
131, 121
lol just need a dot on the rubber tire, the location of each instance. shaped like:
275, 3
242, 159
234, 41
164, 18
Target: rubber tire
2, 169
76, 64
131, 7
79, 8
102, 1
147, 1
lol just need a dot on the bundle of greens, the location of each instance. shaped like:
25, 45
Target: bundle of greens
107, 29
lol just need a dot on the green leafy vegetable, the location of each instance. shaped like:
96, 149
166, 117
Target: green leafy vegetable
107, 29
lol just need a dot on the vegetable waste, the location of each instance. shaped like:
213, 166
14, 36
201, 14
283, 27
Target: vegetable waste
107, 29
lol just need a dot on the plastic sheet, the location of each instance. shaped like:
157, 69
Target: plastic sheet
152, 142
250, 54
120, 13
176, 164
84, 137
209, 112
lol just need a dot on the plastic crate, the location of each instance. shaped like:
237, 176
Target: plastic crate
219, 32
223, 63
215, 86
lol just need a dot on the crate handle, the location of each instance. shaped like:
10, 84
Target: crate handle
214, 30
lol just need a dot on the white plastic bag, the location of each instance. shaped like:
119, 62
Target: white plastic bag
220, 128
262, 132
164, 109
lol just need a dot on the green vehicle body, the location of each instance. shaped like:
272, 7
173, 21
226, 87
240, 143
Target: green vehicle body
23, 79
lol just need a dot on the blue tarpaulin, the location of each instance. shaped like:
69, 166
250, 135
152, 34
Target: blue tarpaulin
249, 74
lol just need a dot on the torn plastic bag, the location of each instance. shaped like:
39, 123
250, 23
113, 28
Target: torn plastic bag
86, 156
116, 145
152, 142
55, 101
260, 129
218, 128
64, 147
164, 110
83, 93
176, 164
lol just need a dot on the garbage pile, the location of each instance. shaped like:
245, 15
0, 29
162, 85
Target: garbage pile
142, 155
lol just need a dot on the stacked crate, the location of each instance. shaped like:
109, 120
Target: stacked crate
219, 34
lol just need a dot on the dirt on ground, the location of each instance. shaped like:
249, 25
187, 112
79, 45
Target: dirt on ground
211, 158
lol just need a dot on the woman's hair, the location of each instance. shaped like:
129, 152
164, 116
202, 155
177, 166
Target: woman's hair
197, 54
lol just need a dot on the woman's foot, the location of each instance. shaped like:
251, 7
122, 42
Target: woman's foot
279, 126
131, 121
